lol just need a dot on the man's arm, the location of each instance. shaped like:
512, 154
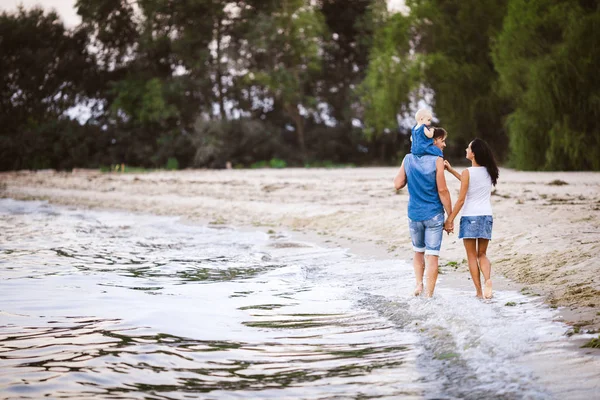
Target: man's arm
443, 191
400, 179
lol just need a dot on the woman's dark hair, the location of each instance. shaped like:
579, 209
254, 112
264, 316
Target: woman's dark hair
484, 157
439, 133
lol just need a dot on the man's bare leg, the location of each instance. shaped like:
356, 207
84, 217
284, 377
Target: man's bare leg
419, 267
471, 248
432, 274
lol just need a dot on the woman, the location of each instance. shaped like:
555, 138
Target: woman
476, 220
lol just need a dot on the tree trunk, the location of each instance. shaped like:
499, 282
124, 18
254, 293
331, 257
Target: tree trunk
218, 73
292, 110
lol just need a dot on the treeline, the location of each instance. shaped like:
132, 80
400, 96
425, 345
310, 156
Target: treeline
203, 83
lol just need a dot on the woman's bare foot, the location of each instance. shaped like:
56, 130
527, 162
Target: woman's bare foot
487, 289
419, 289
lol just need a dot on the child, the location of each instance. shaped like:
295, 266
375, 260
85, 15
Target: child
476, 221
422, 137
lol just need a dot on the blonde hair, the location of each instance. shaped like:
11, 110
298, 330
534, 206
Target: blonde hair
422, 113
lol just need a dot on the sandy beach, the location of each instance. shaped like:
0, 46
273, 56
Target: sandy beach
546, 225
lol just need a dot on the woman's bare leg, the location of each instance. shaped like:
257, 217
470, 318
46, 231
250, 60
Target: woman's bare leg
485, 266
471, 248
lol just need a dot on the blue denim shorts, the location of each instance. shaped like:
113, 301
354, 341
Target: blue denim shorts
476, 227
426, 236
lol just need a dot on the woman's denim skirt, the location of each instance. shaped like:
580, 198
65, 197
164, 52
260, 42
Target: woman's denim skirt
476, 227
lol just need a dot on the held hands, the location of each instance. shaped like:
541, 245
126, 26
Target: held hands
449, 226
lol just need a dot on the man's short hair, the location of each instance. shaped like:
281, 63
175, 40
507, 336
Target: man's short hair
439, 133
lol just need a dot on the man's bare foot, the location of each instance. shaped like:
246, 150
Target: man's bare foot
419, 289
487, 289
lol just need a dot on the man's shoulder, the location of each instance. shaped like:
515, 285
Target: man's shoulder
424, 159
422, 156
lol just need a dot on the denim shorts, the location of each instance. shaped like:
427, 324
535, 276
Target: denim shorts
426, 236
476, 227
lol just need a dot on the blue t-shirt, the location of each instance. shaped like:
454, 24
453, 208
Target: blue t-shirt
421, 144
424, 201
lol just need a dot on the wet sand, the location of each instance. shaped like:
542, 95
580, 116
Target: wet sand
546, 236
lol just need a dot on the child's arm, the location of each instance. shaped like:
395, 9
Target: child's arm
451, 170
428, 132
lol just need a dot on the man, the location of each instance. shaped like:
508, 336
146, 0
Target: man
428, 198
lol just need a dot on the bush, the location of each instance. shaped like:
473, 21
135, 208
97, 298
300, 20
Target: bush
277, 163
172, 164
241, 142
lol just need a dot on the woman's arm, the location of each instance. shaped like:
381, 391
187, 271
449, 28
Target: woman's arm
451, 170
464, 187
400, 179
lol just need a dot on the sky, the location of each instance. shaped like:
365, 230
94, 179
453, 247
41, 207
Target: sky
66, 10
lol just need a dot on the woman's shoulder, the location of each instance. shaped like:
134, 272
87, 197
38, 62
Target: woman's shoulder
480, 174
478, 170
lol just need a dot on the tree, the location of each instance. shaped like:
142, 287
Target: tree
43, 69
455, 38
548, 60
288, 41
346, 45
393, 79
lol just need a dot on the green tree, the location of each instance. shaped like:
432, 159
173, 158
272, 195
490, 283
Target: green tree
455, 37
393, 79
43, 70
548, 59
289, 41
346, 45
148, 107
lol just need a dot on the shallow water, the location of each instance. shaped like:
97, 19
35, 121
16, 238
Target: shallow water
115, 305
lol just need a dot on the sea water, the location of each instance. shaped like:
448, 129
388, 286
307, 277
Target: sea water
117, 305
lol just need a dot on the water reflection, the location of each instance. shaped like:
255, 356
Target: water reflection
114, 305
122, 306
105, 355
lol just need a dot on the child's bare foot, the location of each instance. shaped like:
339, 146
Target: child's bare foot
487, 289
419, 289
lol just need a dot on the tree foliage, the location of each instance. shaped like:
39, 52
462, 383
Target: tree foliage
439, 53
205, 82
548, 56
394, 77
43, 70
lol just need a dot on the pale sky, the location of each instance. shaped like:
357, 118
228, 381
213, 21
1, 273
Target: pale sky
66, 10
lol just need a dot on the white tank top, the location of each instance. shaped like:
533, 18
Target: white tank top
479, 193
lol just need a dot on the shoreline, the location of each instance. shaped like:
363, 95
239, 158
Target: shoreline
546, 232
